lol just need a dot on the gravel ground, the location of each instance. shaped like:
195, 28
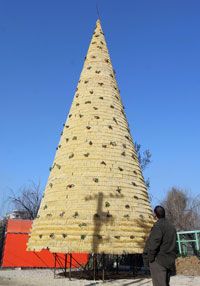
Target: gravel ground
46, 278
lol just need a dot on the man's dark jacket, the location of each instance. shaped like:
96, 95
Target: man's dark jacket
161, 244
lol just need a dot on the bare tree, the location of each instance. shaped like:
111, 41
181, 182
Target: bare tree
182, 210
144, 159
2, 235
27, 200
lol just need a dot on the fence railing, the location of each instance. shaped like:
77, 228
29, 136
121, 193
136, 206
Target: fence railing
188, 242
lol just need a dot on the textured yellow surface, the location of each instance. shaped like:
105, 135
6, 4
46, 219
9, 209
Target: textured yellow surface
95, 198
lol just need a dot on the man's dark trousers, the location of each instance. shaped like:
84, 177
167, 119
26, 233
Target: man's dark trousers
160, 251
159, 274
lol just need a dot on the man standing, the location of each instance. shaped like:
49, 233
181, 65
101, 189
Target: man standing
160, 249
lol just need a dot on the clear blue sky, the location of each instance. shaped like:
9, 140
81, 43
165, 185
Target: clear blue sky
155, 50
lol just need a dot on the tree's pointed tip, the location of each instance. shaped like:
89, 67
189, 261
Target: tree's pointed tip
98, 22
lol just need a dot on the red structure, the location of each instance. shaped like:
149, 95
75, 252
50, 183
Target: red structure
16, 255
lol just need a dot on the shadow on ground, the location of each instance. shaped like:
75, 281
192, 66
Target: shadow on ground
108, 277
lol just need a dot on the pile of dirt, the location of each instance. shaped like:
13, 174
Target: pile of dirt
188, 266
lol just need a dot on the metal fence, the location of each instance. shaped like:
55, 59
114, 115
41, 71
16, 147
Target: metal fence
188, 242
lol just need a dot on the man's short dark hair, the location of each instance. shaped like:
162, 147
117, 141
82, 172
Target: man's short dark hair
159, 212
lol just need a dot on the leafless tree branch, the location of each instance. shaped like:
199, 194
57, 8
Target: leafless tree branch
27, 199
182, 209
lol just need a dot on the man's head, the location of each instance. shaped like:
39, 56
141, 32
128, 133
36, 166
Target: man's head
159, 212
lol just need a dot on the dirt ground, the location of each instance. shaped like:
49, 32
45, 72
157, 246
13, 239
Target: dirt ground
188, 266
187, 269
37, 277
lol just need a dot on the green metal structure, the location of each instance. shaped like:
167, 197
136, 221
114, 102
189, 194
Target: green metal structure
188, 241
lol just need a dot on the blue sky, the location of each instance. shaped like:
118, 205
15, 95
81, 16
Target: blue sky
154, 46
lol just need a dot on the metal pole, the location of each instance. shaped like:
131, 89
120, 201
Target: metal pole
65, 273
197, 241
103, 270
117, 264
133, 261
94, 266
179, 244
70, 266
54, 273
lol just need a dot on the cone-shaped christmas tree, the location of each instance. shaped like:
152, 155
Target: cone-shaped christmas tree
95, 199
